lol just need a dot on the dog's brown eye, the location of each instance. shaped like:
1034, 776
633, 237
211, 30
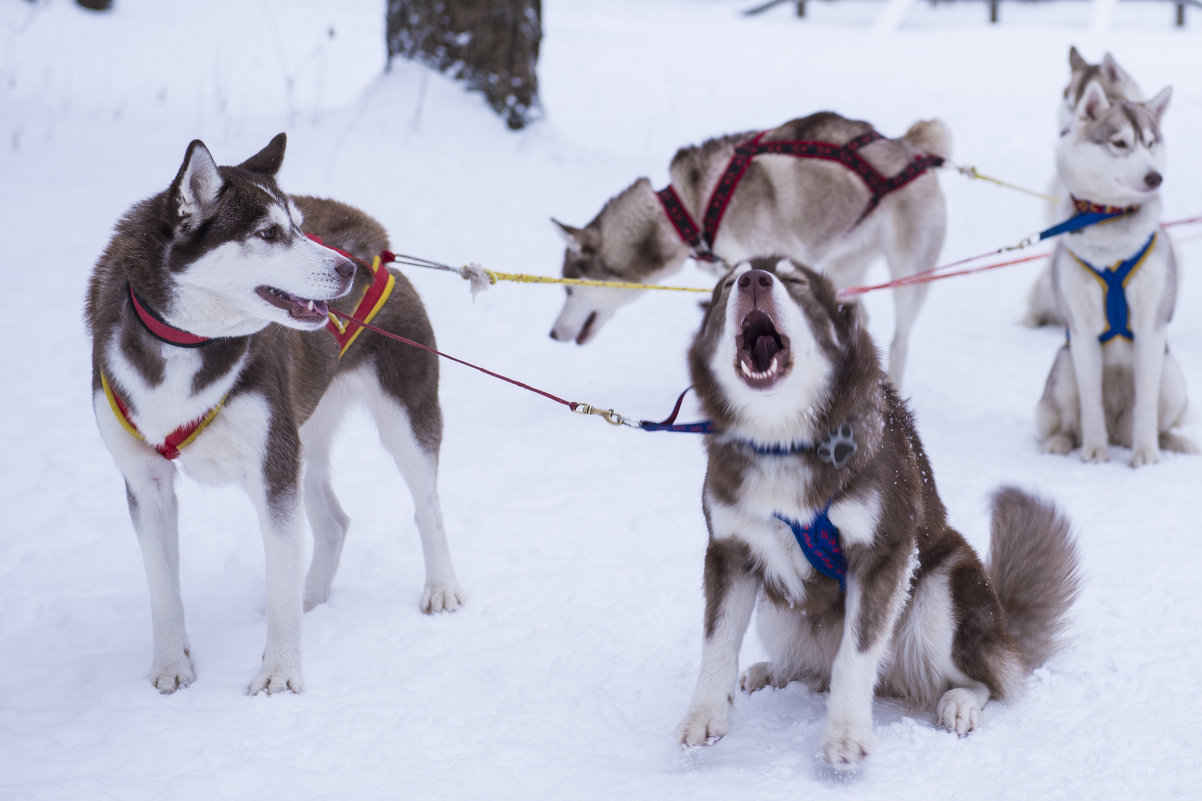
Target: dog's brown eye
269, 233
1121, 144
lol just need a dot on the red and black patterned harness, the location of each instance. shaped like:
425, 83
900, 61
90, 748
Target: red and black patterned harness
702, 239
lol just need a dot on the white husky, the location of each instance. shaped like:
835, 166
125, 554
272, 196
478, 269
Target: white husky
1115, 283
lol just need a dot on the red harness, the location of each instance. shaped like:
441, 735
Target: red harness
702, 239
369, 306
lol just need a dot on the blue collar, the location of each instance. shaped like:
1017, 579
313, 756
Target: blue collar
819, 542
1114, 287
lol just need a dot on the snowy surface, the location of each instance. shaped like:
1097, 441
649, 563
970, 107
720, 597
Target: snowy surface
580, 545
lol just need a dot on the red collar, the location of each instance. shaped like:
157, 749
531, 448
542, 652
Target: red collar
160, 328
1089, 207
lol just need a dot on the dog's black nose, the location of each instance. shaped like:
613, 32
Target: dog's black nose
1153, 179
755, 282
554, 335
346, 268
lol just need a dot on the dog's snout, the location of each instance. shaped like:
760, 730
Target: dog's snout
555, 335
1153, 179
756, 283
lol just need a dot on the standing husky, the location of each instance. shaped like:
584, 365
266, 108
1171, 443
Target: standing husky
820, 502
852, 196
1116, 285
1118, 85
205, 312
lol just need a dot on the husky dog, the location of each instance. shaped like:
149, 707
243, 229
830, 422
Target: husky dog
204, 312
813, 209
1115, 283
1118, 85
814, 446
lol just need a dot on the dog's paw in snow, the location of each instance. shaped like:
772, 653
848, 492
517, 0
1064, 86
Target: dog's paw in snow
447, 596
172, 675
958, 711
1143, 456
277, 679
703, 726
845, 745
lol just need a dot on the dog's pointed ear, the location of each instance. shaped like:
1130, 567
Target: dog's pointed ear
268, 160
1111, 69
1075, 62
196, 187
1093, 103
572, 237
1159, 104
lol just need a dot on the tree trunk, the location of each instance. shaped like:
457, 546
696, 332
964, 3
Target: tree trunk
490, 44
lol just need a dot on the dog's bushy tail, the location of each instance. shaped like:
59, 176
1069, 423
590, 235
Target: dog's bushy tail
930, 136
1033, 563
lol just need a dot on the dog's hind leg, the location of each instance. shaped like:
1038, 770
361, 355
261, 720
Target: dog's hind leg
326, 517
154, 511
911, 244
417, 459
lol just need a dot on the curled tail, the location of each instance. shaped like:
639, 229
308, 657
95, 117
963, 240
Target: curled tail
1033, 564
930, 136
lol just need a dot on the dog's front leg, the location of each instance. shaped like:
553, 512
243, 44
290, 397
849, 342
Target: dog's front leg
730, 591
1148, 368
848, 736
278, 502
154, 511
1086, 352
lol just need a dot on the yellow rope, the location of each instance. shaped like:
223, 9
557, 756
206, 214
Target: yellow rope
971, 172
524, 278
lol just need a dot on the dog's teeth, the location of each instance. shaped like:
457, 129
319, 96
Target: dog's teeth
310, 305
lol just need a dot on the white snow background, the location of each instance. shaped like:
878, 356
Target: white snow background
580, 545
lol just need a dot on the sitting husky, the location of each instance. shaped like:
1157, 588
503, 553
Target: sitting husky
821, 503
1118, 85
1115, 284
823, 189
205, 312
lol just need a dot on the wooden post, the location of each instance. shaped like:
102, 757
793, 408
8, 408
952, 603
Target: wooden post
993, 10
801, 8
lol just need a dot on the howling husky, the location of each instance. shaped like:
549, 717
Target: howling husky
822, 505
824, 189
1115, 284
1118, 85
205, 312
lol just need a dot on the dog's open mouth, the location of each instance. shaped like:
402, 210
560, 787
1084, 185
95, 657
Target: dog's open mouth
763, 352
587, 331
302, 310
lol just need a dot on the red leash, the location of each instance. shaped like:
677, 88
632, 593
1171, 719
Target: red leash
570, 404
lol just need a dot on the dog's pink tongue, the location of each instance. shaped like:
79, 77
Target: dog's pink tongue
762, 352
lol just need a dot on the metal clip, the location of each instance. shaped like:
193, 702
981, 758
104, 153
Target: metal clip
611, 417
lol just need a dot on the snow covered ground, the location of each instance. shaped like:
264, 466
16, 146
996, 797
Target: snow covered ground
580, 545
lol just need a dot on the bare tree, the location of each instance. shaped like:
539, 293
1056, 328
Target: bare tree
492, 45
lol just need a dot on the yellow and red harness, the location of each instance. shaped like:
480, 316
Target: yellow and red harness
374, 298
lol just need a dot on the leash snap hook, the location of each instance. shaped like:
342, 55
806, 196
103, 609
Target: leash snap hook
609, 415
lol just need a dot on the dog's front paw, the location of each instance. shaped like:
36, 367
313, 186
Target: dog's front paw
1143, 456
703, 726
1095, 453
277, 679
958, 711
172, 675
845, 745
446, 596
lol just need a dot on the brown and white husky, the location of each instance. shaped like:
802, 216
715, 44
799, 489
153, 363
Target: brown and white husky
205, 312
822, 508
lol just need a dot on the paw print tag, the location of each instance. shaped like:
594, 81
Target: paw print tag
838, 447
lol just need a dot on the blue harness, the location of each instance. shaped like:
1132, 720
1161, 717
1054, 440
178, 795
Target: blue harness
819, 541
1114, 286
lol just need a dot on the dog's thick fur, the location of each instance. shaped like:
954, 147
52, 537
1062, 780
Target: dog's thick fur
1118, 85
779, 361
1129, 392
223, 254
805, 208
